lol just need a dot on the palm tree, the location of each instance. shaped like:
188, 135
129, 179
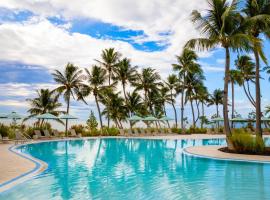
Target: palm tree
134, 103
45, 102
216, 99
235, 78
109, 60
148, 81
247, 73
221, 26
125, 73
96, 80
70, 83
115, 107
172, 83
258, 17
186, 63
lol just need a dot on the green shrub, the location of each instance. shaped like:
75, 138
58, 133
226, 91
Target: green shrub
112, 131
244, 142
196, 130
5, 131
176, 130
79, 128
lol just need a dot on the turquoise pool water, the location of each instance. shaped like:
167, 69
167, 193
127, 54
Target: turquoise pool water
138, 169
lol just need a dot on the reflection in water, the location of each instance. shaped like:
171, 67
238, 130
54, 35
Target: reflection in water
138, 169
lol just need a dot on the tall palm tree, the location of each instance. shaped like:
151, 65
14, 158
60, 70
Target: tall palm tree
45, 102
216, 99
109, 60
186, 64
172, 83
70, 82
125, 73
96, 79
247, 73
258, 17
148, 81
235, 78
221, 26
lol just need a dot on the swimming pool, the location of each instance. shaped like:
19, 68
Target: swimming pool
138, 169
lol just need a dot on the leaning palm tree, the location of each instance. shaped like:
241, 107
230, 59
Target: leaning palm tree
186, 64
246, 67
216, 99
125, 73
70, 83
45, 102
96, 79
257, 17
172, 83
221, 26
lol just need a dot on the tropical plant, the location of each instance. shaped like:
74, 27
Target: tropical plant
96, 80
173, 83
45, 102
221, 27
186, 65
125, 73
70, 83
91, 122
245, 75
216, 99
257, 17
148, 82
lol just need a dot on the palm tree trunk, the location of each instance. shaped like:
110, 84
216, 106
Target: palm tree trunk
198, 110
202, 108
249, 98
175, 114
182, 111
258, 95
193, 115
249, 92
68, 101
100, 118
232, 84
227, 129
129, 112
110, 74
217, 115
165, 113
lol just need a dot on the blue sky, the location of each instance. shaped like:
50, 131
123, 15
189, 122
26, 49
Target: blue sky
38, 38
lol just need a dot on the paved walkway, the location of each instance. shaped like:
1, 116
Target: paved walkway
213, 152
12, 165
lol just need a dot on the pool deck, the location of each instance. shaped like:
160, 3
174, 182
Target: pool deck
214, 153
16, 167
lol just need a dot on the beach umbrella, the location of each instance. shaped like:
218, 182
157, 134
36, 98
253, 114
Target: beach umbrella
135, 118
165, 118
150, 118
3, 116
67, 116
47, 116
238, 119
265, 119
218, 119
14, 116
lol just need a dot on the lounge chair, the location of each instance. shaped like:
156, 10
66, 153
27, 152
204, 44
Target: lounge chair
38, 135
19, 138
47, 133
74, 134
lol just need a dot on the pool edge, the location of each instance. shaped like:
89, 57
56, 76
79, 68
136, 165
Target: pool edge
40, 166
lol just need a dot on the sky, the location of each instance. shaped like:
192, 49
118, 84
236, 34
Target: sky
37, 37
